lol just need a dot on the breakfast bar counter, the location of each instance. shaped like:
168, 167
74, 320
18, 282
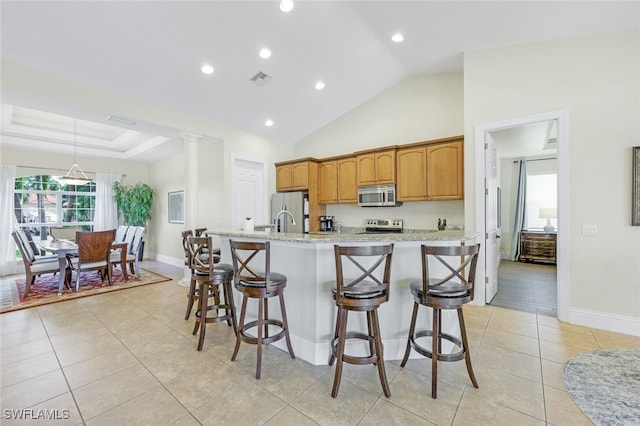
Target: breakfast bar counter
308, 262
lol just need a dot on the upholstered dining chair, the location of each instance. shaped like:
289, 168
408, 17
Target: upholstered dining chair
34, 267
94, 249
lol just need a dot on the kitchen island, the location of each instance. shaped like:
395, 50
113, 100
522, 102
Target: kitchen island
308, 262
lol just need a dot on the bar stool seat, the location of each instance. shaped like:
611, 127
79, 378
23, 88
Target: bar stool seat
209, 277
249, 260
366, 293
450, 292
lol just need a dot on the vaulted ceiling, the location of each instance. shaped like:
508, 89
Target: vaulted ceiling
153, 51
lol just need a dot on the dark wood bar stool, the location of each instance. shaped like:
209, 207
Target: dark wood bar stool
192, 294
254, 279
209, 276
365, 294
450, 292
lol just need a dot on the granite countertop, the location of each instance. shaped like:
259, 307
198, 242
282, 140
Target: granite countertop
347, 236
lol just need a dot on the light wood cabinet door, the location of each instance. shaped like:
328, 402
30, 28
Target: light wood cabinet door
377, 168
292, 177
300, 176
347, 187
445, 171
412, 174
328, 182
366, 169
385, 167
283, 178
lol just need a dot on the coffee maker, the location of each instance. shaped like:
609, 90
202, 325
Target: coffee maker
326, 223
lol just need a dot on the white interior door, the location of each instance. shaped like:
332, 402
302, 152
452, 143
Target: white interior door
249, 193
491, 218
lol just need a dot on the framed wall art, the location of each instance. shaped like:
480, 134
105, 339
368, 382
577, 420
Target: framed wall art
176, 207
635, 185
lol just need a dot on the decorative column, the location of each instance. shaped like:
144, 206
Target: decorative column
190, 190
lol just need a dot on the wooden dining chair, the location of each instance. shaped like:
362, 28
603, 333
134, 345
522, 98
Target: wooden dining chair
94, 250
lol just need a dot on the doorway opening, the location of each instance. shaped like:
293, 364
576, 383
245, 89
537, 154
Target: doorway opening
500, 250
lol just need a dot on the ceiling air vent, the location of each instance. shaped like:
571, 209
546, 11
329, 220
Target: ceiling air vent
121, 120
260, 79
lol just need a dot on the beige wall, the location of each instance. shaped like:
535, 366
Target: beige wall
596, 80
416, 109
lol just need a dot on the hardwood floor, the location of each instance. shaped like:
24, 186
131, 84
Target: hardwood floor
527, 287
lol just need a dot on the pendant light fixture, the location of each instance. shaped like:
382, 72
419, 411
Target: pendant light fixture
75, 175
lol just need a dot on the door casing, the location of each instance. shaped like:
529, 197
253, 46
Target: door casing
563, 266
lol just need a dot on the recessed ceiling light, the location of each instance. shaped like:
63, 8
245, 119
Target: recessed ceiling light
397, 37
265, 53
207, 69
286, 5
319, 85
268, 123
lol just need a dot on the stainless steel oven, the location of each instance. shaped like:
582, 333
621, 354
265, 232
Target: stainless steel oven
377, 196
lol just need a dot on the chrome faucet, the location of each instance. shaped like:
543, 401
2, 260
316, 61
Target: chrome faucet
284, 211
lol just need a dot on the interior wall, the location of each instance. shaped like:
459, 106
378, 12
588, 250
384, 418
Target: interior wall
596, 80
416, 109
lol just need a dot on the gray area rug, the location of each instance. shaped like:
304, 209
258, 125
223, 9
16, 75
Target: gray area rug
605, 384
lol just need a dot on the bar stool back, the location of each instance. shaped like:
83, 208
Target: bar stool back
254, 279
364, 293
450, 292
193, 290
210, 276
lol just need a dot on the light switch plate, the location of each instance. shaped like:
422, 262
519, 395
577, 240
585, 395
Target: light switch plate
589, 229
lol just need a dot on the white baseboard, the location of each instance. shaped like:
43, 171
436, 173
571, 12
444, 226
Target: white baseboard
605, 321
166, 259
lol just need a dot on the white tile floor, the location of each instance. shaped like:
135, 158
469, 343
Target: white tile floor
128, 357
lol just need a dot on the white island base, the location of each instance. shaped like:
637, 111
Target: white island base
311, 312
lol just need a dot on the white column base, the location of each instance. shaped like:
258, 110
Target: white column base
186, 279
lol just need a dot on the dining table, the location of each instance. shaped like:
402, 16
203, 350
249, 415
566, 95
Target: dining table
63, 248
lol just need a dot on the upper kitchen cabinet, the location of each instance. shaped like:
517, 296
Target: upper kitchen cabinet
377, 167
445, 171
328, 182
295, 176
412, 174
347, 176
431, 171
337, 180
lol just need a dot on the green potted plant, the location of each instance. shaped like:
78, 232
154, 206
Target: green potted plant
134, 202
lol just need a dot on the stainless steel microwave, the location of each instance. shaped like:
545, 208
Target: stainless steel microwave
377, 195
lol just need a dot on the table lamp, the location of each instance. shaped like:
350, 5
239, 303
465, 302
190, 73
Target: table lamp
548, 213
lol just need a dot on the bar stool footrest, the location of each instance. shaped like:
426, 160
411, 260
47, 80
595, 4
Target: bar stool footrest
456, 356
265, 340
218, 318
352, 359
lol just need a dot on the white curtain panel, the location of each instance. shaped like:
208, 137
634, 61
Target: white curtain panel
106, 208
520, 198
7, 219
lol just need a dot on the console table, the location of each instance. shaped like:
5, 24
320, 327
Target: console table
537, 246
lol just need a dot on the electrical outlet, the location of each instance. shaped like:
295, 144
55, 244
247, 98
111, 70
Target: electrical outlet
589, 229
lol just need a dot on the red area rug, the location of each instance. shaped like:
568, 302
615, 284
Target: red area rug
45, 288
